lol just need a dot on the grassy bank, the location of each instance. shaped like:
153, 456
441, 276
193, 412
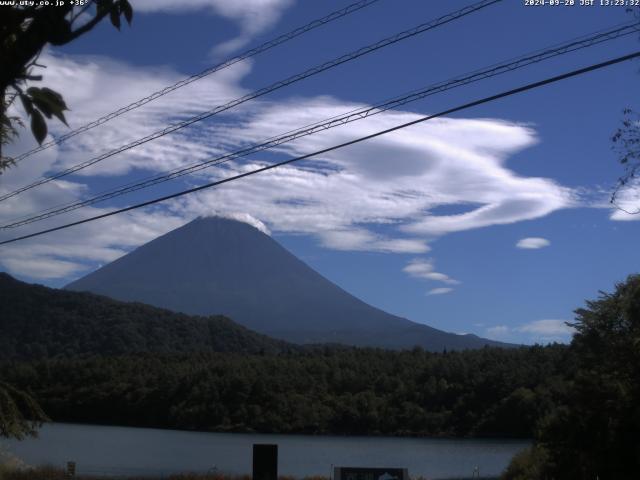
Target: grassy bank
53, 473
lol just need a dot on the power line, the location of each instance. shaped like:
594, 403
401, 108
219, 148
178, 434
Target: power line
475, 103
354, 7
354, 115
263, 91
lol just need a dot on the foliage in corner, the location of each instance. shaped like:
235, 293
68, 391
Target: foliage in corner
626, 142
592, 432
20, 414
24, 32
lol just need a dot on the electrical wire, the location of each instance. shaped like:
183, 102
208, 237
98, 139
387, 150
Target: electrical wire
354, 7
466, 106
424, 27
354, 115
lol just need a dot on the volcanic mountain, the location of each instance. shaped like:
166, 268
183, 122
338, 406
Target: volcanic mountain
219, 266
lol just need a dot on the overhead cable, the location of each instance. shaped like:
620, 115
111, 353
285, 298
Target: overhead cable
354, 7
354, 115
466, 106
424, 27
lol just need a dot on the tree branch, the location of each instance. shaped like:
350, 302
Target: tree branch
89, 25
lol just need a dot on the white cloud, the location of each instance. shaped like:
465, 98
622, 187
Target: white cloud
253, 16
424, 269
538, 331
106, 85
443, 162
380, 195
355, 239
74, 251
547, 328
42, 268
497, 332
439, 291
627, 206
242, 217
532, 243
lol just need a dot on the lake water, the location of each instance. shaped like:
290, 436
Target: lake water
144, 451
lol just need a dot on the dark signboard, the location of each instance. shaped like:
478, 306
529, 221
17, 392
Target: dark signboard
265, 462
365, 473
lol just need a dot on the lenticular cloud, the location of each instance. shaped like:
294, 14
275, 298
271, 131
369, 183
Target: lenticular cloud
381, 195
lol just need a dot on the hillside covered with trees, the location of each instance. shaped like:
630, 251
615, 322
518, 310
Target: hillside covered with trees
40, 322
579, 403
342, 391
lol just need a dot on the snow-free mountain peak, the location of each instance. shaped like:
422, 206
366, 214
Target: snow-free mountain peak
216, 265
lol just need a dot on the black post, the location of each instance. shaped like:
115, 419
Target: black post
265, 462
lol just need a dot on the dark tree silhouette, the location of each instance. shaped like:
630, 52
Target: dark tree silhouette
592, 430
626, 142
24, 32
20, 414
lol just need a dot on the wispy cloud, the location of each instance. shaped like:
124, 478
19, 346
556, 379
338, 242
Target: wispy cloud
497, 331
547, 328
424, 269
253, 16
376, 196
532, 243
627, 206
538, 331
439, 291
241, 217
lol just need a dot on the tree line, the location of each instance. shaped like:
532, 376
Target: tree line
487, 392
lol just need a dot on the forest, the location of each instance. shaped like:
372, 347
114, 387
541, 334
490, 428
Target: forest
579, 402
489, 392
40, 322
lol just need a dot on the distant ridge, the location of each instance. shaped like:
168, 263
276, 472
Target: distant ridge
217, 265
37, 322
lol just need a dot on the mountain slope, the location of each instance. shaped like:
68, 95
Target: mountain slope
222, 266
40, 322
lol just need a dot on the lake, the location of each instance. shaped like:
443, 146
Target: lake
102, 450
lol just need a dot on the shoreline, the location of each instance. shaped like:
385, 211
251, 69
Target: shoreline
502, 439
48, 472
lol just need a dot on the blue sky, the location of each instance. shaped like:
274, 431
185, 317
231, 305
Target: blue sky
430, 223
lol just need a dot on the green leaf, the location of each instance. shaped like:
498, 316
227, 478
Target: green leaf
49, 102
38, 126
115, 17
54, 97
5, 121
43, 106
125, 8
60, 116
26, 103
102, 5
